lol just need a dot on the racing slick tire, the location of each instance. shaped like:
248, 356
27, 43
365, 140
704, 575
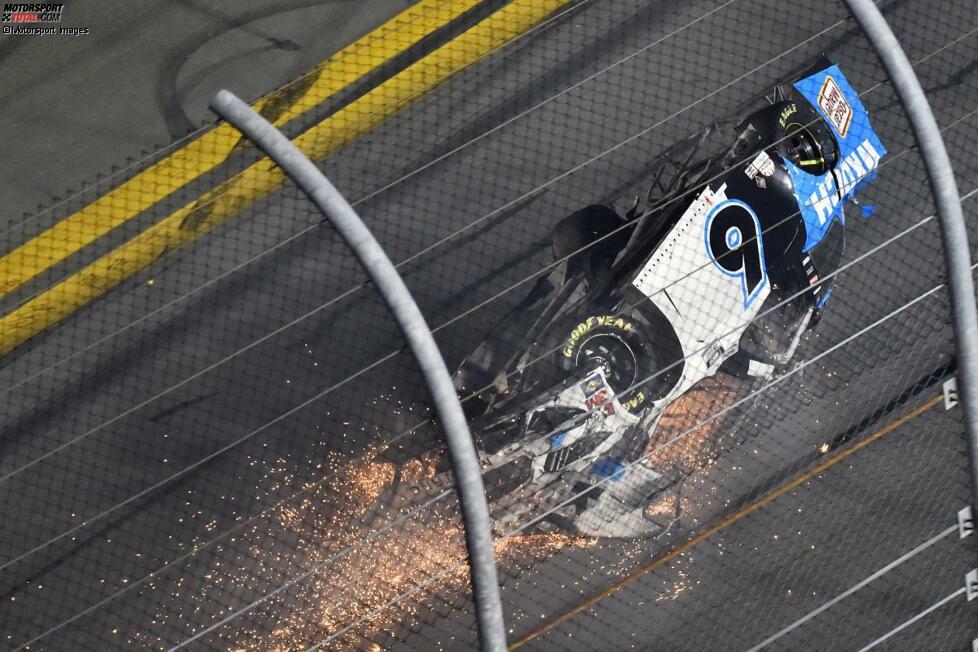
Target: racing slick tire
621, 348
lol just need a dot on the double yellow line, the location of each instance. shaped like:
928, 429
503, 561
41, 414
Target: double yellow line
257, 181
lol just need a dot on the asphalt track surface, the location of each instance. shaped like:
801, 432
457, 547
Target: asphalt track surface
79, 107
884, 501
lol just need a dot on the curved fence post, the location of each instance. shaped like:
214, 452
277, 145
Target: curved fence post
948, 201
465, 461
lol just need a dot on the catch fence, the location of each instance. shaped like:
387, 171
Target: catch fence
214, 437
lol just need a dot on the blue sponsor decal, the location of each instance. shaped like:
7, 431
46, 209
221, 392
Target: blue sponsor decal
821, 198
608, 469
824, 300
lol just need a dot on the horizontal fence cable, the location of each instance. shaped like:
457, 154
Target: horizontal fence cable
926, 612
828, 604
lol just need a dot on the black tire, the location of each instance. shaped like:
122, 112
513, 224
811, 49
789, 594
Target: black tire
620, 346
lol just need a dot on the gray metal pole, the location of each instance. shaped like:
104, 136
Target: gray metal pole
948, 202
468, 474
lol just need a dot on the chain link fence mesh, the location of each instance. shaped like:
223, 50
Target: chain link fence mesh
218, 440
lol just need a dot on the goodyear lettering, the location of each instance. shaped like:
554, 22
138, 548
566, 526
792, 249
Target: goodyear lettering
632, 403
591, 323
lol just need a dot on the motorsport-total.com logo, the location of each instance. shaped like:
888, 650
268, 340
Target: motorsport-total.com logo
32, 13
34, 19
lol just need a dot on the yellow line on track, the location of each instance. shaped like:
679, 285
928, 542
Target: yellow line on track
203, 154
796, 482
257, 181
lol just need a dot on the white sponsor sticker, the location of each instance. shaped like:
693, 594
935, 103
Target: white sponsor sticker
759, 369
762, 165
833, 102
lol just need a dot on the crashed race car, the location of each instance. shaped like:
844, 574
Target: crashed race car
719, 271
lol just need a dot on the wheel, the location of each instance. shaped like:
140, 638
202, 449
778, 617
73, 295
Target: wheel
620, 347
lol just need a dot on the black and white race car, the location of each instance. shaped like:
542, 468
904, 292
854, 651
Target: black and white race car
720, 270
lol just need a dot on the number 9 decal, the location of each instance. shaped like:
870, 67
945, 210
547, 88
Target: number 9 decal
733, 242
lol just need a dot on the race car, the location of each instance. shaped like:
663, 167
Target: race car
720, 270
